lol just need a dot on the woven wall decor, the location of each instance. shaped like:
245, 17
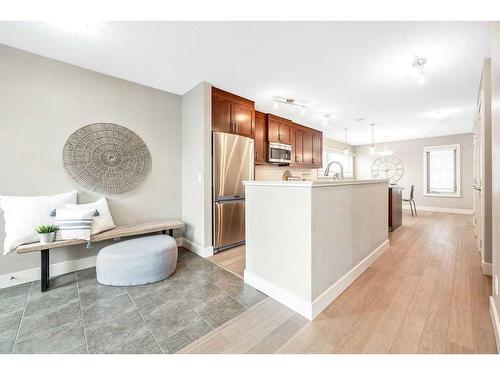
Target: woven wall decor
106, 158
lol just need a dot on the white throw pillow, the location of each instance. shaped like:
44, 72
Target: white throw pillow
103, 220
73, 224
23, 214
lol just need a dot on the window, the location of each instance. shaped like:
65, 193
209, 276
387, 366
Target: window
442, 171
330, 154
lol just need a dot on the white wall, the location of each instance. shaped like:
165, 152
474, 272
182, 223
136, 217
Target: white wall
495, 122
196, 167
43, 101
411, 154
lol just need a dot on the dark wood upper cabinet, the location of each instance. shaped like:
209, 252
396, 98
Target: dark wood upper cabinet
221, 115
307, 148
237, 115
317, 149
232, 113
297, 152
260, 137
279, 129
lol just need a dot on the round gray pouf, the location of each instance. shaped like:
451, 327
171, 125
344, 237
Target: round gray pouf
139, 261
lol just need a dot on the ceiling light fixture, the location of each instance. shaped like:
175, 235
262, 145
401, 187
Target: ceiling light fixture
291, 102
385, 151
419, 64
327, 120
372, 146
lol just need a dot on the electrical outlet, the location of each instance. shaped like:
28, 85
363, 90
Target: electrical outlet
495, 285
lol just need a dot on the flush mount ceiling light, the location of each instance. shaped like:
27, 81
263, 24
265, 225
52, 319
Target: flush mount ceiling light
291, 102
418, 64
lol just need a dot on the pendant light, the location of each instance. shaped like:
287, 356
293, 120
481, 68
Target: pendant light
346, 151
372, 146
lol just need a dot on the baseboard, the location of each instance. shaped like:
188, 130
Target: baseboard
33, 274
328, 296
281, 295
198, 249
495, 321
56, 269
462, 211
303, 307
487, 268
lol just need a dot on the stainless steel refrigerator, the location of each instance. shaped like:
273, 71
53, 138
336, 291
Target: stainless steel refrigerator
233, 163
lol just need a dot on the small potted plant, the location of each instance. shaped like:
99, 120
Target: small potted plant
47, 233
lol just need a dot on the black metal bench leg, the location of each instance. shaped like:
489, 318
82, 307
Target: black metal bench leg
170, 232
44, 276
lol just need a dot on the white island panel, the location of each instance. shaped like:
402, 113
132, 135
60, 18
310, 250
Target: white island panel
307, 242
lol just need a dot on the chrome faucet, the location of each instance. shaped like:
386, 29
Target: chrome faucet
327, 170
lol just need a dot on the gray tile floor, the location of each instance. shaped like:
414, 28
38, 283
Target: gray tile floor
78, 315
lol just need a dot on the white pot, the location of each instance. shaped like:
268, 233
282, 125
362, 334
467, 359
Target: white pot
47, 237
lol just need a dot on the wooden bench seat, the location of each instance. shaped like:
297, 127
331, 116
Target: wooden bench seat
162, 226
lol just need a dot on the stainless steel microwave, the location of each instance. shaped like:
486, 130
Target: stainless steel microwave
279, 153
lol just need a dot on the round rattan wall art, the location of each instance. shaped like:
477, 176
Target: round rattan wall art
106, 158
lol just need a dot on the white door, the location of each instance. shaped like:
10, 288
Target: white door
478, 173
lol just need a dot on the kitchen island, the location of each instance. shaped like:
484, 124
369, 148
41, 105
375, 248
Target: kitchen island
307, 241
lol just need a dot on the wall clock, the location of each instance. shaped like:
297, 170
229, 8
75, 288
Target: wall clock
388, 167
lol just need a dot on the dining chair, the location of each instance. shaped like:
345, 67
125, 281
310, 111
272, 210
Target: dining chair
411, 201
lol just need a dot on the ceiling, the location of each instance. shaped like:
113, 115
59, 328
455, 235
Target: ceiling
354, 70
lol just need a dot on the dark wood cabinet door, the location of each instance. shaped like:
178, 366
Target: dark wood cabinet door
243, 120
317, 149
297, 153
273, 130
285, 130
307, 148
221, 115
260, 138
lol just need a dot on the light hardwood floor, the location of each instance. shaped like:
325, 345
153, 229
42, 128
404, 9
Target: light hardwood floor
232, 260
426, 294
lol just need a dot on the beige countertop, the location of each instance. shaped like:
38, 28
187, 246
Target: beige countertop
316, 183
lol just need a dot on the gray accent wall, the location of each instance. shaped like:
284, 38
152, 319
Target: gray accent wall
42, 101
411, 154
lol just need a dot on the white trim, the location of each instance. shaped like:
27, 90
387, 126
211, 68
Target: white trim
33, 274
495, 322
311, 310
462, 211
329, 295
204, 252
281, 295
487, 268
458, 193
